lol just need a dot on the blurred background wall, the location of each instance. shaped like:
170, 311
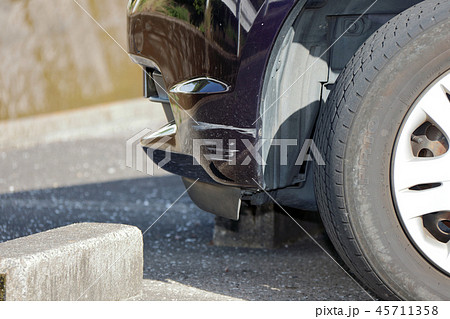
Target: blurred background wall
54, 57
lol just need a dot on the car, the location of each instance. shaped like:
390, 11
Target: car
337, 106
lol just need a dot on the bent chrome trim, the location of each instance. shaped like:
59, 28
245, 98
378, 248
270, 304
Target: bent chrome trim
201, 85
169, 130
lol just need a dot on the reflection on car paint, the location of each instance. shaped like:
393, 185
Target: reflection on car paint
201, 85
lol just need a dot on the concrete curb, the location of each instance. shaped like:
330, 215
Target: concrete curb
88, 261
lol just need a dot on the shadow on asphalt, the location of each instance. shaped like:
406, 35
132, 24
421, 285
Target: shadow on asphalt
178, 248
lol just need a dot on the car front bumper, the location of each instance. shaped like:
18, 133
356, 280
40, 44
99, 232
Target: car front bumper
208, 72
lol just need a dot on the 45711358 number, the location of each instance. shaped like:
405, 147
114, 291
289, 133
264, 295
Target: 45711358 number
407, 310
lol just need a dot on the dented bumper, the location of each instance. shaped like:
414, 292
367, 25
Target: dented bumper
206, 66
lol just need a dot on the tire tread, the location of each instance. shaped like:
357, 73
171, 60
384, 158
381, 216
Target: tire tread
338, 115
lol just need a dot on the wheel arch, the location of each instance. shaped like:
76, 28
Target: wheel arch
309, 53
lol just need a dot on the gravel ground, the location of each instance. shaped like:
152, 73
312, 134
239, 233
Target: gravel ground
84, 179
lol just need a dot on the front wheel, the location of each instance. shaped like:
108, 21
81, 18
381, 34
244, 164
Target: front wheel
384, 193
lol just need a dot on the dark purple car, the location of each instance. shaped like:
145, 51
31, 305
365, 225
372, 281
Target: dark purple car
337, 106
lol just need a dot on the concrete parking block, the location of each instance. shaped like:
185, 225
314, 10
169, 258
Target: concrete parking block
87, 261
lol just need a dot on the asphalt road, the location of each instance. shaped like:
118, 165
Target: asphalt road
84, 179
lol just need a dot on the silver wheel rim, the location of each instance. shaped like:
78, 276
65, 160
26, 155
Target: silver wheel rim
421, 174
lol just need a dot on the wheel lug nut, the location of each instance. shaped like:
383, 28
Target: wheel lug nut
417, 139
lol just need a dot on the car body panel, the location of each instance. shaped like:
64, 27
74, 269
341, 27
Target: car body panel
182, 51
224, 66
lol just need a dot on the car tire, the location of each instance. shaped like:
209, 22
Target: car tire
363, 133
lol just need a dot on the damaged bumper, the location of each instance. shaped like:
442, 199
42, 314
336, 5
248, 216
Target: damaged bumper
207, 72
